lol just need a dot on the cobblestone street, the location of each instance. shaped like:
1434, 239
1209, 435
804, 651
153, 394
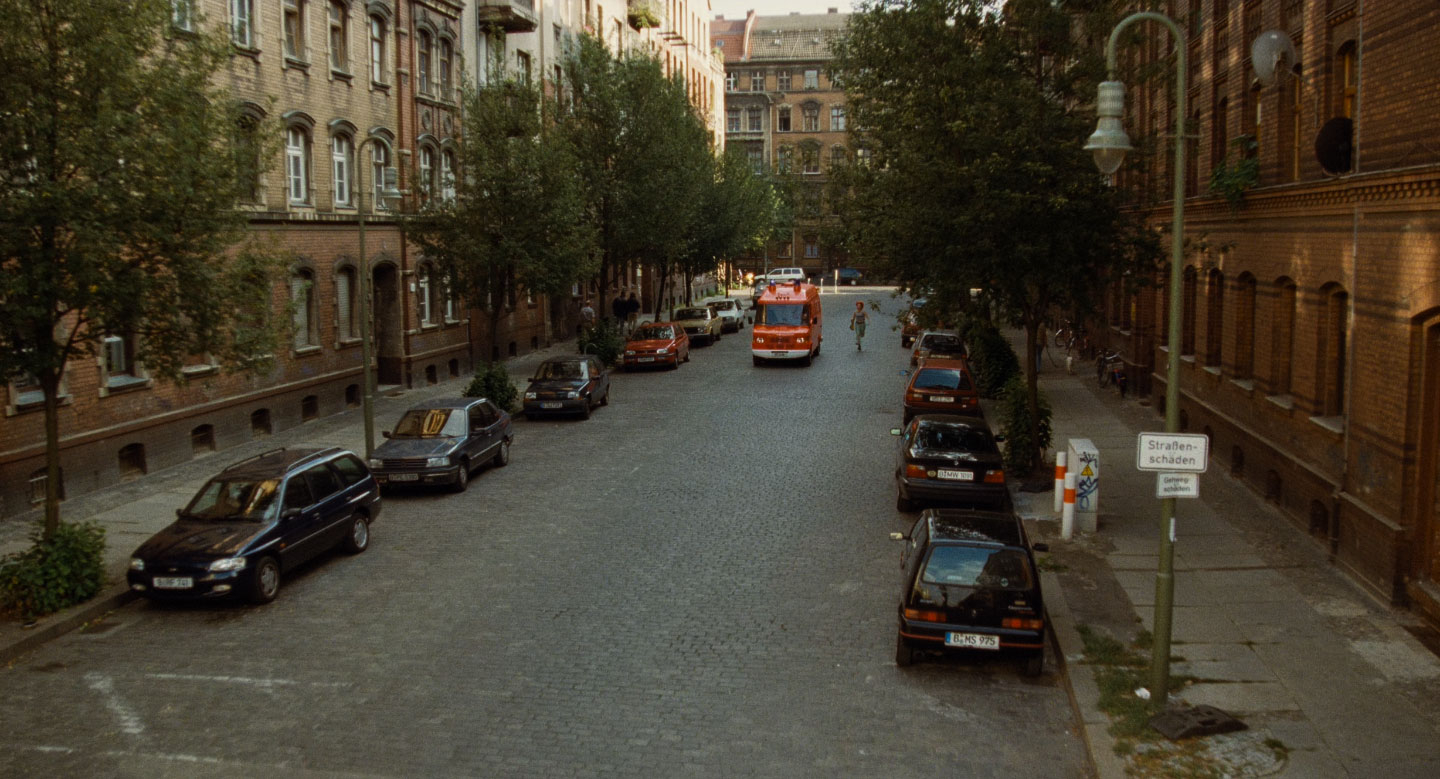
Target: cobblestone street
698, 580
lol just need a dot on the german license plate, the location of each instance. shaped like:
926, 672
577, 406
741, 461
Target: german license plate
644, 359
941, 399
778, 353
174, 582
404, 477
972, 641
955, 475
550, 404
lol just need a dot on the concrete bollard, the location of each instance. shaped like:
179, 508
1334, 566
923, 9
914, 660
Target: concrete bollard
1059, 481
1067, 514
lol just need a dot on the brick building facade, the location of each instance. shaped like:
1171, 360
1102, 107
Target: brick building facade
1311, 338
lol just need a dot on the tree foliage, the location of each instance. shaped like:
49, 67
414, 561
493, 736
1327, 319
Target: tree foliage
978, 180
117, 204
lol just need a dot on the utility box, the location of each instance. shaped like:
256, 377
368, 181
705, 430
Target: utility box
1084, 461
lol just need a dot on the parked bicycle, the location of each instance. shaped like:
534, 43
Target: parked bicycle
1110, 369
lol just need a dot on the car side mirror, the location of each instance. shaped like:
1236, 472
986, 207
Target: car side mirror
894, 431
897, 536
1040, 547
385, 434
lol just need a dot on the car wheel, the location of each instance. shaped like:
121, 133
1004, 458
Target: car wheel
1034, 664
358, 539
462, 476
687, 355
903, 504
265, 584
502, 457
904, 655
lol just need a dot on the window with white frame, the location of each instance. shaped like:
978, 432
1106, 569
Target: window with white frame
379, 161
732, 120
810, 118
293, 25
755, 119
182, 14
345, 316
447, 175
732, 80
447, 55
837, 156
377, 50
339, 36
427, 170
118, 358
424, 296
812, 79
452, 301
302, 309
782, 80
297, 165
812, 248
522, 66
810, 159
756, 153
242, 23
422, 62
837, 118
342, 156
757, 81
784, 158
782, 119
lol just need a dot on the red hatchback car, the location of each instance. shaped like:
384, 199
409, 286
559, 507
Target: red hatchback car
655, 344
941, 387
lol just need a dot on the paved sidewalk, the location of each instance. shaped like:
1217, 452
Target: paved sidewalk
1272, 632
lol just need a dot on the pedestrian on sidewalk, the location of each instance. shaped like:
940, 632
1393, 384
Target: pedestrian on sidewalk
618, 309
858, 321
632, 311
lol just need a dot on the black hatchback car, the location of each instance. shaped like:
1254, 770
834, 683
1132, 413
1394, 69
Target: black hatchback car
442, 442
970, 585
568, 385
948, 459
257, 520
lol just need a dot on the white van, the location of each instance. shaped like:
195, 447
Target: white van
782, 275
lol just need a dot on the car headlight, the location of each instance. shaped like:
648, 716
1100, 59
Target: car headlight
759, 339
573, 394
136, 564
629, 352
228, 564
800, 339
529, 396
436, 462
376, 462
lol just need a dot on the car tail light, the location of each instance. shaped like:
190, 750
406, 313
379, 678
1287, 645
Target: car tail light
925, 615
994, 477
914, 396
915, 471
1022, 623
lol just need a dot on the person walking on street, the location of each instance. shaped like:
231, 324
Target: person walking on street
618, 309
858, 321
632, 311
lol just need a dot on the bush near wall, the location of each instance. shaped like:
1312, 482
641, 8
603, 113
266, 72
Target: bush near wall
66, 569
493, 382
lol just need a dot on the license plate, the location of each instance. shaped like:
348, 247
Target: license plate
972, 641
955, 475
778, 353
941, 399
645, 359
404, 477
550, 404
174, 582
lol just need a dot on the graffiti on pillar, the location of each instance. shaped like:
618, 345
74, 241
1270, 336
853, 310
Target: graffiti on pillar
1086, 483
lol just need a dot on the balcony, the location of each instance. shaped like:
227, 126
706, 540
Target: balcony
509, 15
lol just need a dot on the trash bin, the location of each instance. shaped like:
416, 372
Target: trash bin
1083, 460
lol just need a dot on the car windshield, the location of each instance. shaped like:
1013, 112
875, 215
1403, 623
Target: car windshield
692, 313
430, 423
955, 438
652, 333
564, 369
941, 379
782, 314
234, 499
723, 305
940, 343
977, 566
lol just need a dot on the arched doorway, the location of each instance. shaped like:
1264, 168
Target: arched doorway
389, 325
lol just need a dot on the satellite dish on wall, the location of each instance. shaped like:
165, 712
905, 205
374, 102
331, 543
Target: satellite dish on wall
1267, 51
1332, 145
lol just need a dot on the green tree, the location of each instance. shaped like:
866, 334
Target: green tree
979, 181
518, 217
117, 211
740, 209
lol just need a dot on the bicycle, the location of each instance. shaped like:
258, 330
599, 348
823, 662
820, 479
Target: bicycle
1110, 369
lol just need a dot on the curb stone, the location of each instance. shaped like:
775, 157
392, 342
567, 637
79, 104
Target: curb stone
1080, 682
60, 623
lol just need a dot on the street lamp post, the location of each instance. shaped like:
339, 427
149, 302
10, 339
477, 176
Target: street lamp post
1109, 144
389, 194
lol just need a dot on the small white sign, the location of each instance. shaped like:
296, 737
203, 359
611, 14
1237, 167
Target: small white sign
1173, 452
1177, 485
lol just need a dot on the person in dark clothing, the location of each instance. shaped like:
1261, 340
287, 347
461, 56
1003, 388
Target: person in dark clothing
617, 310
632, 310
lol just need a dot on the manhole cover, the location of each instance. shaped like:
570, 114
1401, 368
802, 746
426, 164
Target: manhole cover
1177, 724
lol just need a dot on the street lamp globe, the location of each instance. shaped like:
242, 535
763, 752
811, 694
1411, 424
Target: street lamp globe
1109, 142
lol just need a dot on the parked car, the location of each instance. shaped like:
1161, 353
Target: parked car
732, 319
944, 458
760, 286
941, 386
443, 442
785, 275
938, 343
910, 322
657, 343
568, 385
257, 520
700, 323
848, 276
970, 586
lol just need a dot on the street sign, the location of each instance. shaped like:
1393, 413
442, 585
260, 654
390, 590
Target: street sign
1173, 452
1177, 485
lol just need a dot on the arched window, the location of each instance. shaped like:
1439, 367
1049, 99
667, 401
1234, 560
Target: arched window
784, 158
810, 118
1214, 317
426, 296
379, 161
837, 156
1282, 347
342, 158
1244, 326
810, 158
377, 50
302, 305
346, 317
446, 56
293, 27
1330, 352
1187, 328
422, 62
426, 170
339, 36
447, 175
1347, 71
297, 164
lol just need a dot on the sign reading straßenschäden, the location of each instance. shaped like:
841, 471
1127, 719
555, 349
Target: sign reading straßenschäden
1173, 452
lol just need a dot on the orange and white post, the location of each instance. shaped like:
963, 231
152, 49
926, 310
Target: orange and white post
1067, 514
1059, 480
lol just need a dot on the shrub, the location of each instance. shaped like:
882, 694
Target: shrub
493, 382
1021, 452
66, 569
992, 362
603, 339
